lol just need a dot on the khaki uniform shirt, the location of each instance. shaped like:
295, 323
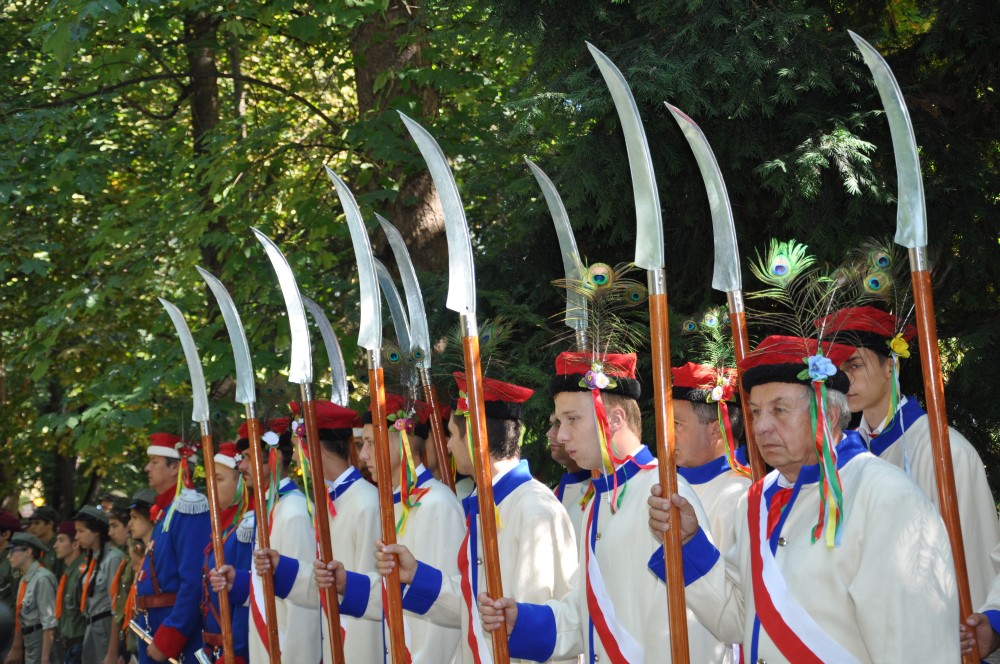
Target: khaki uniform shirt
72, 622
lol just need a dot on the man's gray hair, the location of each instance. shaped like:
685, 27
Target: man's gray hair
838, 400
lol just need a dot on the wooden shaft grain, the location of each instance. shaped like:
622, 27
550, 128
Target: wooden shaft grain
484, 486
664, 412
383, 478
321, 513
263, 533
214, 512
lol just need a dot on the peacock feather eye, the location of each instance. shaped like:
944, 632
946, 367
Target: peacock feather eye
876, 282
711, 319
881, 259
636, 294
689, 326
725, 318
393, 356
600, 275
418, 354
779, 266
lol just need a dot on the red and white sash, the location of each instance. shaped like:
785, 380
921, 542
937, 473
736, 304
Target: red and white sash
621, 646
479, 643
788, 625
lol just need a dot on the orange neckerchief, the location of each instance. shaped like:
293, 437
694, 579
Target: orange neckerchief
59, 596
20, 600
129, 609
86, 584
117, 582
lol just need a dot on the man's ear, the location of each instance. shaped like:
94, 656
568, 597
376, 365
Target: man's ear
616, 419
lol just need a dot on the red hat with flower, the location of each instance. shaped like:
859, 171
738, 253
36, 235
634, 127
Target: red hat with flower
503, 401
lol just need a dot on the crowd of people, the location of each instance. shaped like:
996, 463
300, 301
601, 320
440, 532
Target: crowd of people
837, 555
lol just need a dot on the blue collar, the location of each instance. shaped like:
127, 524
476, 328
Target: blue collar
353, 476
517, 476
421, 479
712, 469
286, 486
904, 417
571, 478
605, 483
851, 446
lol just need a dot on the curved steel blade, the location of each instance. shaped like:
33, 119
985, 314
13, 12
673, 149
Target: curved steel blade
649, 252
726, 276
420, 336
370, 326
461, 268
338, 371
199, 394
396, 309
576, 304
911, 210
300, 365
246, 390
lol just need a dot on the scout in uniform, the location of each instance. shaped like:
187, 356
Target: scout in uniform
707, 426
534, 534
42, 524
291, 526
104, 565
897, 429
574, 490
140, 528
168, 587
70, 616
839, 556
615, 612
118, 530
354, 526
9, 525
35, 610
237, 549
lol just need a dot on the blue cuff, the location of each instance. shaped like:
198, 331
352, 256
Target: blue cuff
424, 589
994, 618
355, 601
699, 556
240, 592
534, 633
284, 576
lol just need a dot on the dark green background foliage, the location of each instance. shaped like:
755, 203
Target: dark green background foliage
144, 138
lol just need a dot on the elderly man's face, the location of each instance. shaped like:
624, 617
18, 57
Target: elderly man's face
782, 426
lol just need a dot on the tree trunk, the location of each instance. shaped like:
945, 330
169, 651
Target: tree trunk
376, 56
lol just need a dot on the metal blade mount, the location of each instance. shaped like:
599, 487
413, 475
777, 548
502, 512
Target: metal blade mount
461, 268
649, 251
338, 371
726, 276
199, 394
397, 310
576, 304
370, 326
911, 209
420, 336
246, 389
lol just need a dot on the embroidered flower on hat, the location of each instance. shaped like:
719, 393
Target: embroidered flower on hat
270, 438
401, 421
237, 458
299, 428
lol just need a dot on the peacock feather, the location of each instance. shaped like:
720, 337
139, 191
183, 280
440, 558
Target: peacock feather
493, 337
400, 368
612, 298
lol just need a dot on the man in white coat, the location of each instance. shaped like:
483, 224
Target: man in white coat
291, 532
354, 525
895, 428
534, 534
839, 557
575, 488
616, 610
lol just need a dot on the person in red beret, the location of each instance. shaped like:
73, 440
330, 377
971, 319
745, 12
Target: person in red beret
354, 526
839, 557
168, 587
897, 429
708, 425
608, 614
428, 520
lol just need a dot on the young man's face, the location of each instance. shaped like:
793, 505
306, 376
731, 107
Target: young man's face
782, 426
118, 531
459, 448
161, 474
19, 557
695, 443
41, 529
63, 548
139, 526
556, 448
871, 380
369, 457
227, 480
246, 467
578, 429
